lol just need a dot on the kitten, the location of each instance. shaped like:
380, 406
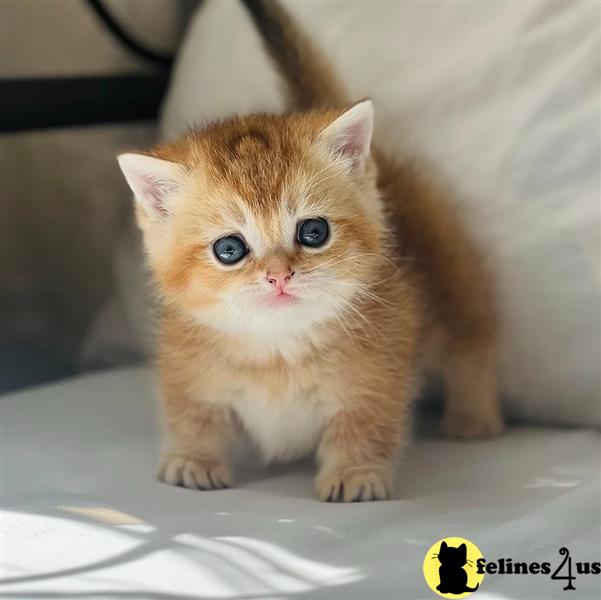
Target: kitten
302, 277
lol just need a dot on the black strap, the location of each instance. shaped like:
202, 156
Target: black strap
39, 103
115, 28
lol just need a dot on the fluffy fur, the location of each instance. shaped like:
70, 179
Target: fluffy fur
335, 369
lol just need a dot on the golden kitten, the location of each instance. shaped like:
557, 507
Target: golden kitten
304, 280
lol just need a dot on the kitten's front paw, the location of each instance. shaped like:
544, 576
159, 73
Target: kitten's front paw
193, 473
353, 485
471, 426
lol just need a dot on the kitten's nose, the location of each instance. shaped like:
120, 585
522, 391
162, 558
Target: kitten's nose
280, 278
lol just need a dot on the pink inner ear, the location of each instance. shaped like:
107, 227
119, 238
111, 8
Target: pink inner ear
155, 192
152, 180
350, 134
354, 141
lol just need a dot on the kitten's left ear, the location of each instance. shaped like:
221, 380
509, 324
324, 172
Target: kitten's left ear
152, 180
350, 134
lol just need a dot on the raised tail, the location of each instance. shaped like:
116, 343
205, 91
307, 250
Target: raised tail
310, 80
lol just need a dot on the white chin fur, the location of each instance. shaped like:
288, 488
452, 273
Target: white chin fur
249, 314
268, 331
266, 321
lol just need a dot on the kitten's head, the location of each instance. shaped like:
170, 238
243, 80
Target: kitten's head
263, 223
451, 556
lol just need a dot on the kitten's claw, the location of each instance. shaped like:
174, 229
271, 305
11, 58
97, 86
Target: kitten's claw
471, 426
194, 474
336, 493
353, 485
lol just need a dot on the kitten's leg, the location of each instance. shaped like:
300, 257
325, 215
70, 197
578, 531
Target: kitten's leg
195, 453
472, 407
357, 453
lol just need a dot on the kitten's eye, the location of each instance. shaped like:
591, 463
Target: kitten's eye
230, 249
313, 232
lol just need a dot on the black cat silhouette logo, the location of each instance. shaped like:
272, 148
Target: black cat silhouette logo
453, 577
450, 568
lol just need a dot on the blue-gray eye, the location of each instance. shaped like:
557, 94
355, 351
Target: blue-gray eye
230, 249
313, 232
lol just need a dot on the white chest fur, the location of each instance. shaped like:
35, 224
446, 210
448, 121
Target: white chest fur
286, 426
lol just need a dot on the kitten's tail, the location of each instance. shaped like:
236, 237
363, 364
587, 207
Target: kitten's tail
469, 589
309, 78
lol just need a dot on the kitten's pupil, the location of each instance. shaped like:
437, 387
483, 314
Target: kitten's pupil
313, 232
230, 249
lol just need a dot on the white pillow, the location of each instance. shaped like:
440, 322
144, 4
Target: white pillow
504, 98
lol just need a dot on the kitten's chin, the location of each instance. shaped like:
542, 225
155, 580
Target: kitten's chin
272, 316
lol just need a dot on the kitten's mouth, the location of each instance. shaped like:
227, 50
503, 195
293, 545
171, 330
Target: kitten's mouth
282, 298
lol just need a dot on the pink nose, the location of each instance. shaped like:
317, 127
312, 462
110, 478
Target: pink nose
280, 279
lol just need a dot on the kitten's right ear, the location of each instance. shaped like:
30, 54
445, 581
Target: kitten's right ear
443, 546
152, 181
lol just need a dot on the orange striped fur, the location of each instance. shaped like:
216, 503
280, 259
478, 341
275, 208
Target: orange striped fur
335, 372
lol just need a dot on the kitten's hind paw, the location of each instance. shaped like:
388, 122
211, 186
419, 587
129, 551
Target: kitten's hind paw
471, 426
193, 473
353, 485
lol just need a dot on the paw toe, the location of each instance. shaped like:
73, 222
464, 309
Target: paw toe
353, 486
193, 473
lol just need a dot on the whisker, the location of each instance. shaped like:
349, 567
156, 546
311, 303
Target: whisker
375, 298
361, 289
349, 306
336, 261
